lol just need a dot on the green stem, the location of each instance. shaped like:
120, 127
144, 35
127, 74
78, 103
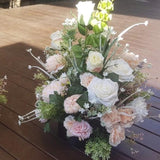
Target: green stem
86, 34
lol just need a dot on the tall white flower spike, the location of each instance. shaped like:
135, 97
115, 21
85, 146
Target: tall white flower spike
27, 117
129, 28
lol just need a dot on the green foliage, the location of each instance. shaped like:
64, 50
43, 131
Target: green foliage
97, 108
98, 147
93, 40
75, 89
83, 99
144, 94
47, 127
56, 99
82, 29
69, 34
49, 51
50, 111
113, 76
110, 45
77, 50
40, 76
3, 99
47, 110
140, 77
38, 89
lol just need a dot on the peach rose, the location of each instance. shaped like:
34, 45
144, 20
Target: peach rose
127, 117
70, 104
54, 86
109, 119
68, 122
117, 135
82, 130
131, 59
55, 63
86, 78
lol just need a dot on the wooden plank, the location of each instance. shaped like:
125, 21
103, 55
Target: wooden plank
121, 156
47, 143
18, 147
143, 152
155, 102
5, 156
145, 138
19, 79
151, 126
154, 112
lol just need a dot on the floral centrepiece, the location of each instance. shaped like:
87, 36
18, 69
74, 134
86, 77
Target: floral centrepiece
87, 84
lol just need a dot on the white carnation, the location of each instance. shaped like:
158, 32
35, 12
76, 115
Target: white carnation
139, 107
122, 68
103, 91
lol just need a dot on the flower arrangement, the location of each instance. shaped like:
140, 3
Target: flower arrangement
88, 83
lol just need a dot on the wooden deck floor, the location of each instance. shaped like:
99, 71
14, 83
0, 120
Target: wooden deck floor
30, 27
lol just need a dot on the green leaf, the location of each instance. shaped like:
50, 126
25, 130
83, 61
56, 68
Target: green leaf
82, 29
56, 99
71, 33
3, 99
76, 89
47, 128
96, 29
113, 76
77, 50
78, 118
83, 99
93, 40
109, 47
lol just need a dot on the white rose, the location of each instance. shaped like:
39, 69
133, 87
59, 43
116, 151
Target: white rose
122, 68
103, 91
94, 61
85, 10
56, 38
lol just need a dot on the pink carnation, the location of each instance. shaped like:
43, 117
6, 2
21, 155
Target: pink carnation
86, 78
82, 130
70, 104
55, 63
54, 86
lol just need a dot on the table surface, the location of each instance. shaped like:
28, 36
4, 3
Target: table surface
30, 27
